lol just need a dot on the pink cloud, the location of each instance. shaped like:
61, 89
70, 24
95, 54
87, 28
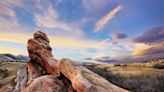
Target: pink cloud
153, 35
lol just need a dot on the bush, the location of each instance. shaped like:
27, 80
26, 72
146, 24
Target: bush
117, 64
159, 66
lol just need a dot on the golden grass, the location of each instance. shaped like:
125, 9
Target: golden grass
132, 69
136, 77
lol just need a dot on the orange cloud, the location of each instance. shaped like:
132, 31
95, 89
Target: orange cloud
149, 51
140, 49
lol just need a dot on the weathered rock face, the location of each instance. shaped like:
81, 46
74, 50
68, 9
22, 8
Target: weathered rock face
47, 83
45, 74
40, 52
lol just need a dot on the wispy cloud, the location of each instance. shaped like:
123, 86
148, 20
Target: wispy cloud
111, 50
8, 19
102, 22
50, 20
94, 5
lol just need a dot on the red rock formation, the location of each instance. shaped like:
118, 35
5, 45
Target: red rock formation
46, 74
34, 71
39, 50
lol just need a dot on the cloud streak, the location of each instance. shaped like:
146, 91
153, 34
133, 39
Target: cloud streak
102, 22
94, 5
8, 19
119, 36
153, 35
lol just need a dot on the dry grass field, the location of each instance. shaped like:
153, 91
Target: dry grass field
136, 77
8, 71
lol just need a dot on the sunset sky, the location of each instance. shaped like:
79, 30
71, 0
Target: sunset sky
85, 28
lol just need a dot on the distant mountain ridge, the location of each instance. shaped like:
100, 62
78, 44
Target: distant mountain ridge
124, 59
10, 57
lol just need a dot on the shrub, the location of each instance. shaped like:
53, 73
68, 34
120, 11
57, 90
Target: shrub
159, 66
117, 64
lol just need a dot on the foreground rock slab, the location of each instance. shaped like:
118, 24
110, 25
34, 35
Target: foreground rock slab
84, 80
46, 74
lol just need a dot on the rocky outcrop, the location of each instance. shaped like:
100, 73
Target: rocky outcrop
45, 74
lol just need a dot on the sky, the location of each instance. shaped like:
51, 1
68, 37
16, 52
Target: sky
79, 29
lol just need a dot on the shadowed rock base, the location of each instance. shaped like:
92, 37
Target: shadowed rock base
45, 74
